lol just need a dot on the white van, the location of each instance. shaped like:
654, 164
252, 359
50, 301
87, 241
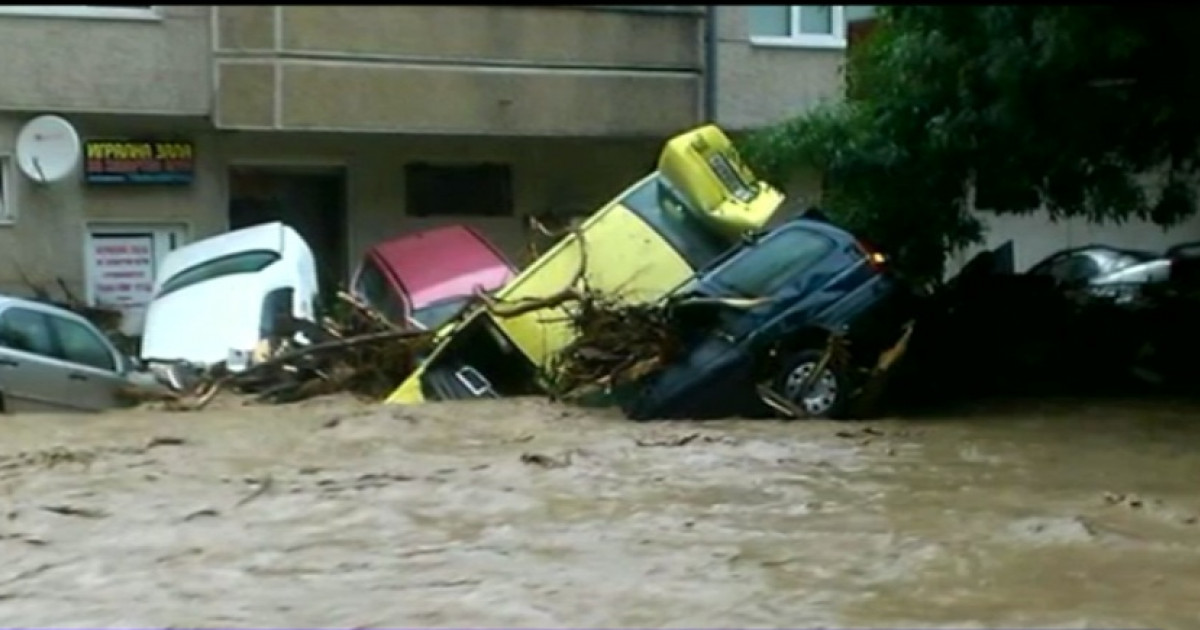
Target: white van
216, 299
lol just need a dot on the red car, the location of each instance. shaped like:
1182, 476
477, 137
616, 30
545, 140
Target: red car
424, 279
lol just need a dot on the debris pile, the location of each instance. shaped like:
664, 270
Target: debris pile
618, 343
357, 350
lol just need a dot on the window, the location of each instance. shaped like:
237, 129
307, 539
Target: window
8, 212
809, 25
656, 202
469, 190
82, 346
375, 290
433, 316
765, 267
242, 262
92, 11
26, 331
1080, 267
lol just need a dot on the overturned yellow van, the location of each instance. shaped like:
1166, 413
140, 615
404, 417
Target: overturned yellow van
640, 246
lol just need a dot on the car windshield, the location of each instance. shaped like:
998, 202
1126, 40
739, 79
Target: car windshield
1085, 265
657, 203
372, 286
241, 262
766, 266
433, 316
1186, 250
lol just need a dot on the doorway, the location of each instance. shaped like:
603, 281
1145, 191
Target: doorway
312, 200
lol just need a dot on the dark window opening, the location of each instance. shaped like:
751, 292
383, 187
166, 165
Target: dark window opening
463, 190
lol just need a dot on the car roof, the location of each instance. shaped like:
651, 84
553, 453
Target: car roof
427, 262
1097, 248
38, 305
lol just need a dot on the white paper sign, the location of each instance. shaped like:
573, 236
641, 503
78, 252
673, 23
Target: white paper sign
124, 269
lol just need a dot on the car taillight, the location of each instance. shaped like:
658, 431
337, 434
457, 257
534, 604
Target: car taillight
875, 258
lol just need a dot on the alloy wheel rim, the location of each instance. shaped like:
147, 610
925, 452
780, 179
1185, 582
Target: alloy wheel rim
820, 397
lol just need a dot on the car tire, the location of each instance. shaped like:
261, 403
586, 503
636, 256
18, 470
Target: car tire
828, 397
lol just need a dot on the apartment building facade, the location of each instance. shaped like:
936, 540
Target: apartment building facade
356, 123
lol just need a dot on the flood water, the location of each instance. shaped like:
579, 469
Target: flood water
522, 513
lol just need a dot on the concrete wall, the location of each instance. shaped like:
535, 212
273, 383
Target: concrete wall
502, 70
759, 85
548, 175
76, 64
47, 239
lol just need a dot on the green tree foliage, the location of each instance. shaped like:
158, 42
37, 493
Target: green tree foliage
1090, 111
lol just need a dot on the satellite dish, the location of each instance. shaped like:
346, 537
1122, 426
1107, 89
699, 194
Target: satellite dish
47, 149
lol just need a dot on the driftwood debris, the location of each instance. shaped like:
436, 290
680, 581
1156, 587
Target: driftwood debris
617, 342
357, 350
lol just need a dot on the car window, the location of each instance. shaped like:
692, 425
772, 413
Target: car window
82, 345
1114, 261
1185, 250
242, 262
373, 287
1075, 268
656, 202
27, 331
438, 313
765, 267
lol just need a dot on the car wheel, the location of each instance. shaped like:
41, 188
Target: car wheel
826, 398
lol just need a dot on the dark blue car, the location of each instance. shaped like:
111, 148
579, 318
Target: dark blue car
764, 314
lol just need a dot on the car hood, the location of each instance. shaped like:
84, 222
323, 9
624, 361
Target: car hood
1149, 271
202, 322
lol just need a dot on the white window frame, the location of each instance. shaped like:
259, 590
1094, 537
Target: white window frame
81, 11
836, 39
8, 196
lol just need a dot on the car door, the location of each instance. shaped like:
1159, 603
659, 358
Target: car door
92, 367
31, 378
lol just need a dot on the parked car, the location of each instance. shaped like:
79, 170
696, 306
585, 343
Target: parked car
1103, 271
426, 278
1185, 264
218, 299
641, 245
806, 280
54, 359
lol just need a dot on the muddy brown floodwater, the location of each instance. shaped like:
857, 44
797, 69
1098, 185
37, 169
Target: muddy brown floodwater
521, 513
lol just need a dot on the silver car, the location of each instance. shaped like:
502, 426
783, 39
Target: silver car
1105, 271
53, 359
